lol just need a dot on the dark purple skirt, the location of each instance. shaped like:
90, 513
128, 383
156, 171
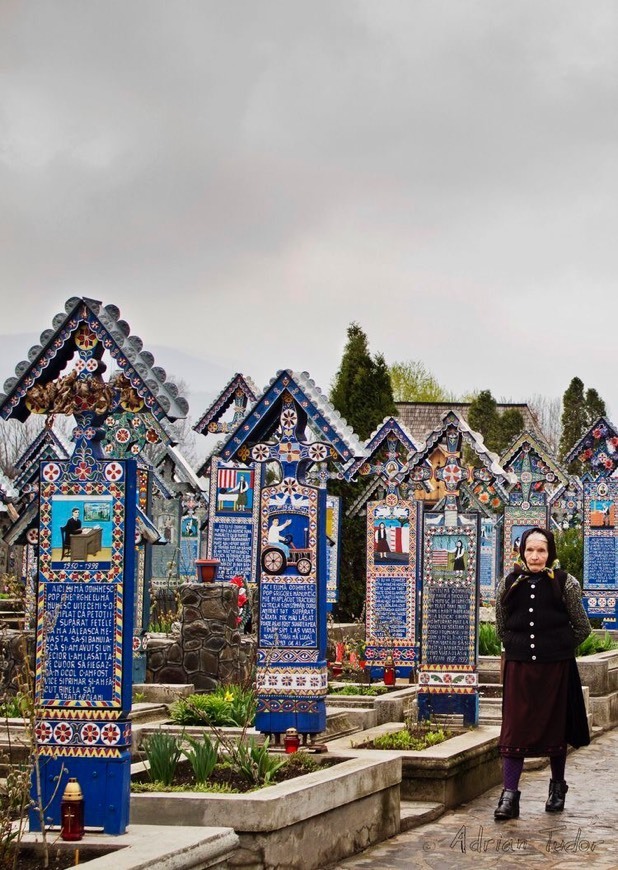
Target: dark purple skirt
534, 709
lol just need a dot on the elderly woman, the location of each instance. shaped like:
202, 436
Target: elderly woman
540, 620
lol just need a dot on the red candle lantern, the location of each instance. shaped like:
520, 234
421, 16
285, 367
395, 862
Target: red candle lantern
389, 672
291, 741
72, 812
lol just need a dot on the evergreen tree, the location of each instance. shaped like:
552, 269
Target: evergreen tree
574, 418
362, 391
483, 417
363, 395
498, 430
595, 407
511, 423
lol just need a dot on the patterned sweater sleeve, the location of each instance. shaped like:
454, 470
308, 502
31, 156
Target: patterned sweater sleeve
499, 609
577, 615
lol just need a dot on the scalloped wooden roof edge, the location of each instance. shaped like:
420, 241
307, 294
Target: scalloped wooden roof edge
51, 356
541, 449
574, 452
330, 422
490, 460
390, 425
225, 398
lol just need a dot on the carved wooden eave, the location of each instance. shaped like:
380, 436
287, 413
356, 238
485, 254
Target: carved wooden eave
47, 361
239, 389
263, 418
542, 451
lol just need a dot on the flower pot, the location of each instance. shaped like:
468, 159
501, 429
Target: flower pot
207, 570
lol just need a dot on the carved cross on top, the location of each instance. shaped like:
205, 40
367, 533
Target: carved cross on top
452, 473
291, 451
389, 465
530, 473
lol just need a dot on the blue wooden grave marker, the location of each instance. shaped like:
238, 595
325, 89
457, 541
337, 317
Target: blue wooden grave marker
293, 425
392, 554
597, 450
89, 519
448, 678
538, 475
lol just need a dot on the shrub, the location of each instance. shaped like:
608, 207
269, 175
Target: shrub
570, 549
226, 706
594, 644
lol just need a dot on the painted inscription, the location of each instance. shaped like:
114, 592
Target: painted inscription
79, 643
448, 626
232, 544
288, 614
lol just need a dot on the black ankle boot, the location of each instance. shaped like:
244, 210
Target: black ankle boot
557, 792
508, 805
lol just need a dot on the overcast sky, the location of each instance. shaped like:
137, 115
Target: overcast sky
244, 178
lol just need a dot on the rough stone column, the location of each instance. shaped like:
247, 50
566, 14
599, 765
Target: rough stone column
207, 652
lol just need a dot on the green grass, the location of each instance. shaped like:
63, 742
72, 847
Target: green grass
406, 740
216, 787
359, 690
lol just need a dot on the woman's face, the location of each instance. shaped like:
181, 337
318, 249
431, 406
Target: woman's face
536, 553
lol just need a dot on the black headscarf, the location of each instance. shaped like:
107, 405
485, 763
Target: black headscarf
521, 571
551, 545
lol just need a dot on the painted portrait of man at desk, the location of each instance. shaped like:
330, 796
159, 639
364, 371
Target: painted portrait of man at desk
81, 531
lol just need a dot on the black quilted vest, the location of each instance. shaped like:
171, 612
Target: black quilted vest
537, 625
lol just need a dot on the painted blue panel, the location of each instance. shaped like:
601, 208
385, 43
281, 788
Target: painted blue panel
80, 642
232, 544
288, 614
448, 625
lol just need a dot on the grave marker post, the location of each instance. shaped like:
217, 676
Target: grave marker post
88, 528
597, 450
294, 426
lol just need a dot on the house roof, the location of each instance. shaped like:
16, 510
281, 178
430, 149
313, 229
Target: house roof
421, 418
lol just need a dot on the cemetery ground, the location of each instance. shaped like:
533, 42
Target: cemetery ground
445, 827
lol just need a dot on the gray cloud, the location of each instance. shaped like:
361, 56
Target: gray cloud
243, 179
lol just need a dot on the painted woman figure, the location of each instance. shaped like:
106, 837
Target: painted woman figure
381, 541
459, 563
540, 620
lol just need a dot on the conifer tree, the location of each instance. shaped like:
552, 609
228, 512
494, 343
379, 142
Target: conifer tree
511, 424
362, 391
579, 412
363, 395
595, 406
498, 430
574, 418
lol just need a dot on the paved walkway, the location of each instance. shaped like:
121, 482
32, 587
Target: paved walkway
585, 834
